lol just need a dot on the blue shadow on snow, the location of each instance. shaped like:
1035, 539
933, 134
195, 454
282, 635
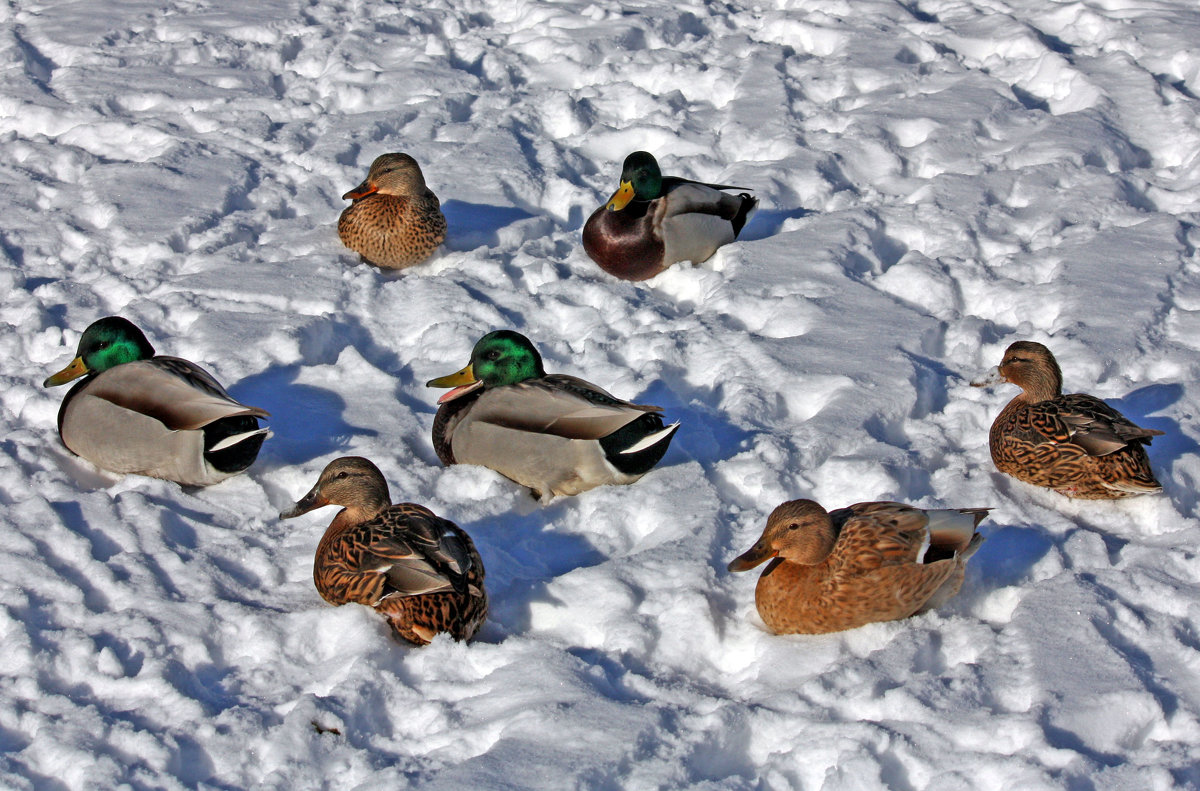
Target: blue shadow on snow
306, 421
473, 225
768, 222
1173, 445
523, 555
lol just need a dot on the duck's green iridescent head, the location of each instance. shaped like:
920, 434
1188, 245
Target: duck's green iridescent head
641, 179
109, 342
499, 358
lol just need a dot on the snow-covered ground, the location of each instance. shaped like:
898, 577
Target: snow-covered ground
938, 178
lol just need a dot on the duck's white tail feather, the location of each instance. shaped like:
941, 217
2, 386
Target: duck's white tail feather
651, 440
234, 439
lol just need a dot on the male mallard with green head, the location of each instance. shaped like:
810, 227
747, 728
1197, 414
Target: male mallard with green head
165, 417
556, 434
653, 221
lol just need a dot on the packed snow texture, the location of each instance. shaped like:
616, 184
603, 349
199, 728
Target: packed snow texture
938, 178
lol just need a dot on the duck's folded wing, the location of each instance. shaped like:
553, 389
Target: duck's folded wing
180, 394
1098, 428
872, 535
408, 570
423, 548
439, 540
673, 182
414, 577
560, 405
692, 197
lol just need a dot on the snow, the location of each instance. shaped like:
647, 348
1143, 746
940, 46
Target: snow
938, 178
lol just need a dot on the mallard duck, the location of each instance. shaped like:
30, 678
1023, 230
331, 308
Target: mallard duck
653, 221
556, 434
395, 221
152, 415
418, 570
1075, 444
858, 565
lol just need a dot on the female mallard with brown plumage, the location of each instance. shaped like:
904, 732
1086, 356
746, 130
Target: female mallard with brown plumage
420, 571
1075, 444
395, 220
653, 221
135, 412
556, 434
858, 565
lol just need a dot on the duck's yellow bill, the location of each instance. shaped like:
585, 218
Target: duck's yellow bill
73, 371
620, 199
463, 382
464, 377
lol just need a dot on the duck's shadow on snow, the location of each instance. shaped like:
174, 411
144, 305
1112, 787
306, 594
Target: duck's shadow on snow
704, 434
769, 222
306, 421
1173, 445
523, 555
82, 473
1008, 555
474, 225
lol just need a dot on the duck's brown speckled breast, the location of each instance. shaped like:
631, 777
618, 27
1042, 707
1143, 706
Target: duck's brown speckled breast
393, 232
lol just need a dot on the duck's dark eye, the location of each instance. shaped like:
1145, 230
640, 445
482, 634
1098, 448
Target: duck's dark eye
493, 355
342, 474
794, 526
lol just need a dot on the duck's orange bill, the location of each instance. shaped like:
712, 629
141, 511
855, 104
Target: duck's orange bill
73, 371
620, 199
463, 382
361, 191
